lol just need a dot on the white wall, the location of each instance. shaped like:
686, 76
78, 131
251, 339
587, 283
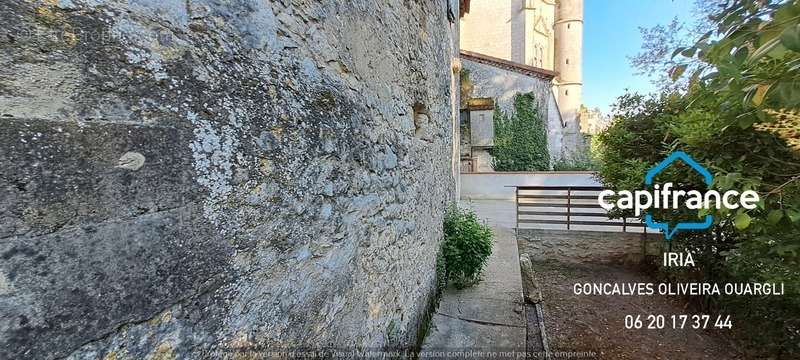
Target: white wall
499, 187
495, 186
495, 28
555, 130
510, 30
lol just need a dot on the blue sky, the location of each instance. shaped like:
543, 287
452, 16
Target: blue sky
610, 35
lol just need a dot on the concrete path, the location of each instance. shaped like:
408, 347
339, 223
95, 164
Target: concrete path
490, 315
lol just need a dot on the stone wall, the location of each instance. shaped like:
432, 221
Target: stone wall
502, 85
587, 246
185, 176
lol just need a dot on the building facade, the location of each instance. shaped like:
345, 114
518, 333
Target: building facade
546, 35
493, 84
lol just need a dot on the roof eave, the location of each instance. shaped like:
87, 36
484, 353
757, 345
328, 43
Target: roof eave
509, 65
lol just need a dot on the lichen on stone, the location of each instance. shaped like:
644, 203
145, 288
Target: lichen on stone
214, 156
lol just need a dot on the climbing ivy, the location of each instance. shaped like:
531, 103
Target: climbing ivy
467, 86
520, 141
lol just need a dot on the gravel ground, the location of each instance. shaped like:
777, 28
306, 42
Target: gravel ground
596, 324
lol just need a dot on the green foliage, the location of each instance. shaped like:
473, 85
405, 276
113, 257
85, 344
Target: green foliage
441, 271
751, 59
467, 246
583, 161
745, 77
574, 165
467, 86
659, 42
761, 245
520, 141
633, 142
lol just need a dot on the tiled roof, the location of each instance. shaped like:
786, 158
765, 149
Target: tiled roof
508, 65
464, 6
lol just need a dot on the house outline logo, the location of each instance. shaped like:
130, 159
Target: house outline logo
648, 180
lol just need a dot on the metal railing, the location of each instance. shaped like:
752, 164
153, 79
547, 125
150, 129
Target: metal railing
567, 205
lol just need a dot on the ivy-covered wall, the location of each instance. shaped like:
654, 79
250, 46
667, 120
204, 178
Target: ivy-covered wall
502, 85
520, 139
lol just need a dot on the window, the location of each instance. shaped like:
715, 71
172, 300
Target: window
538, 55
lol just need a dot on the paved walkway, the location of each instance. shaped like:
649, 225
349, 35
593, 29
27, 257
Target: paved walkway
490, 315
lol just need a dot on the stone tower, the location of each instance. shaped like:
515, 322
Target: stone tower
543, 34
568, 54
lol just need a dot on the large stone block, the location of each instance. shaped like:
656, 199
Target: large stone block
586, 246
181, 177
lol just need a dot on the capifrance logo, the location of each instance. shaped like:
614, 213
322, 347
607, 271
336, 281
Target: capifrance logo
665, 196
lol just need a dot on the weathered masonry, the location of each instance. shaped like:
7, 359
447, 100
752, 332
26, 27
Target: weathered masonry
184, 176
501, 80
511, 47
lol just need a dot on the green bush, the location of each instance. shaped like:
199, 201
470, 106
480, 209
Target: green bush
738, 117
467, 246
764, 248
520, 140
583, 160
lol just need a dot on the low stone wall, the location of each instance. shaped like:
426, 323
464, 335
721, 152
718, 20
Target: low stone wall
587, 246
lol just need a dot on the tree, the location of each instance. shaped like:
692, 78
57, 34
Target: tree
658, 43
735, 110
